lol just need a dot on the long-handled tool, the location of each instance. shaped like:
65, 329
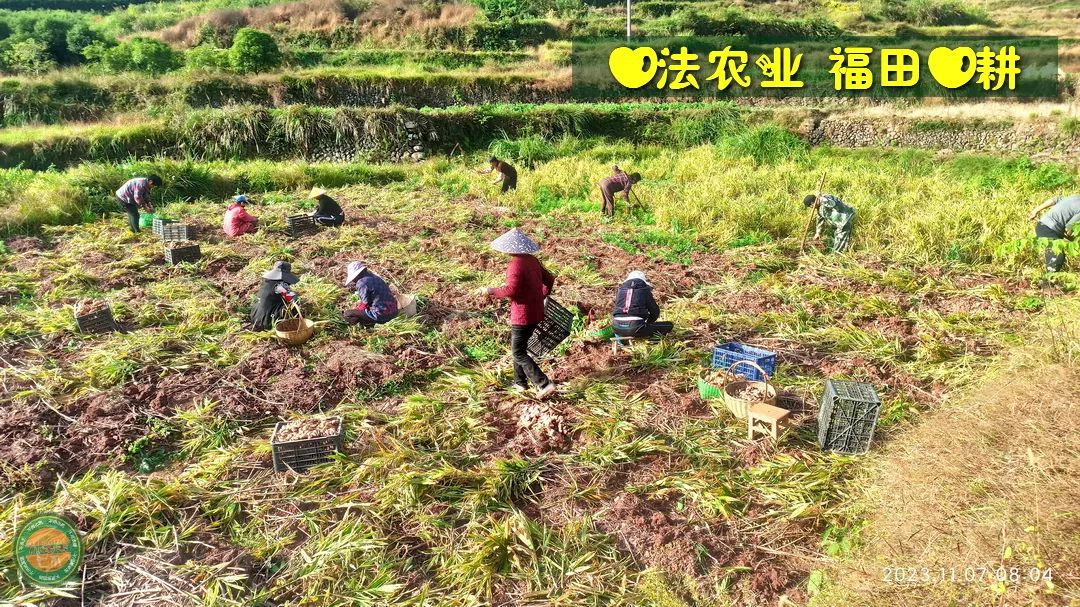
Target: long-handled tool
813, 214
630, 205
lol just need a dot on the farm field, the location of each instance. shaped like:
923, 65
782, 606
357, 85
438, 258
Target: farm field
628, 486
624, 488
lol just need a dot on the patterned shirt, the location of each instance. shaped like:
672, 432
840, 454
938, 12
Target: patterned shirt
621, 178
376, 299
833, 211
136, 191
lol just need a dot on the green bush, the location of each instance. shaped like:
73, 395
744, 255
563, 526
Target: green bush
27, 56
141, 55
528, 151
205, 57
254, 51
766, 144
926, 12
737, 22
504, 35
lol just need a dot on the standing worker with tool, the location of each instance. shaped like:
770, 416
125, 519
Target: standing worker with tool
619, 182
1056, 225
832, 212
507, 173
527, 284
135, 194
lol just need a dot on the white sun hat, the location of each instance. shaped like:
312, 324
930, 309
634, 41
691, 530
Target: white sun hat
639, 275
355, 269
515, 242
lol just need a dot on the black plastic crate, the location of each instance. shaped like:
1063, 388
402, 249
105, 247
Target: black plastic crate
177, 231
301, 224
96, 322
556, 326
848, 416
180, 254
159, 223
300, 455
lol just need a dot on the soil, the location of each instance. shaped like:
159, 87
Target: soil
24, 244
310, 427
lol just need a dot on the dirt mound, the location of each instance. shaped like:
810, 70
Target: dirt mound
351, 367
652, 533
24, 244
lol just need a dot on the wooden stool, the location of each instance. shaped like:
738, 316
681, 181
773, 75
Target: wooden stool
770, 417
620, 342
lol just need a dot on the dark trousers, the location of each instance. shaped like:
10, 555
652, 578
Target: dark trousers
331, 221
509, 183
525, 368
132, 213
356, 317
608, 189
1054, 262
640, 328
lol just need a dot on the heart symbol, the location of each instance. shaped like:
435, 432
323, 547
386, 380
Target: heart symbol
947, 66
629, 66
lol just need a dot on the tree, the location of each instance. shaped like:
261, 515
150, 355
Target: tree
79, 37
142, 55
254, 51
28, 56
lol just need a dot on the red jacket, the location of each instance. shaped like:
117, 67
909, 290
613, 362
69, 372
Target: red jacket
527, 284
238, 221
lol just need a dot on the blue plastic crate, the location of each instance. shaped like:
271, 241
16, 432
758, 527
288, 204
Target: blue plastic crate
725, 355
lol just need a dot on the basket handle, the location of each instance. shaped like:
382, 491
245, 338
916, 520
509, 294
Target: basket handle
731, 369
293, 307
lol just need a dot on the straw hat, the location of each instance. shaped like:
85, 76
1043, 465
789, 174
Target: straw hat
515, 242
354, 270
282, 271
637, 275
316, 192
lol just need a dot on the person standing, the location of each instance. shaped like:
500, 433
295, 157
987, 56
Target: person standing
377, 304
620, 182
329, 212
507, 173
274, 295
636, 312
237, 220
527, 284
832, 213
1056, 225
135, 194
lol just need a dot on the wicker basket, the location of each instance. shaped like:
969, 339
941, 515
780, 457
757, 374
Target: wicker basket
294, 331
740, 407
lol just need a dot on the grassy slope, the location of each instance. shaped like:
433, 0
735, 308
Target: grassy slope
648, 498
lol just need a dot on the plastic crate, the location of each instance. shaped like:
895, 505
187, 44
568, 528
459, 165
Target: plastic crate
181, 254
301, 224
847, 418
556, 326
300, 455
177, 231
725, 355
146, 220
160, 222
708, 391
96, 322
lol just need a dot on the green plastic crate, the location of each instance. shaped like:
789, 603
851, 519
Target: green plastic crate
709, 391
146, 220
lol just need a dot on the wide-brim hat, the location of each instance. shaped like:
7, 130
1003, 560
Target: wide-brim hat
316, 192
354, 270
637, 275
282, 271
240, 199
515, 242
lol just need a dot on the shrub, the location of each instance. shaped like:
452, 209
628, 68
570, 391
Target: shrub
766, 144
254, 51
79, 37
142, 55
27, 56
529, 151
206, 56
926, 12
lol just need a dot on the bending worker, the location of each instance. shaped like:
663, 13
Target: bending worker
1056, 225
135, 194
620, 182
377, 304
527, 284
274, 295
329, 212
507, 173
237, 220
636, 313
832, 212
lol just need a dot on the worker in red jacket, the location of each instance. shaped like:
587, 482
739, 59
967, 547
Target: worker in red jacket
237, 220
527, 284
